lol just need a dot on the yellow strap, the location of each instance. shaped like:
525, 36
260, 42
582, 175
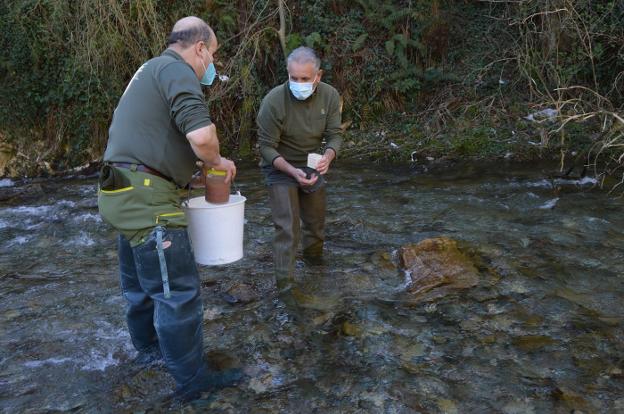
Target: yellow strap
121, 190
212, 171
146, 182
180, 213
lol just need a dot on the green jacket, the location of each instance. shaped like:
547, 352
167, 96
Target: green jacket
292, 128
162, 103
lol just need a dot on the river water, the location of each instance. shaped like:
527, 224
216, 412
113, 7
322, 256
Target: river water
543, 331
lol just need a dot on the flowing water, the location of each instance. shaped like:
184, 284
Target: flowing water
543, 331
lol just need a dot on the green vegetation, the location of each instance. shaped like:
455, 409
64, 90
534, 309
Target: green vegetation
434, 78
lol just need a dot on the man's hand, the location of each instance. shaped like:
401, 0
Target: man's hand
224, 165
281, 164
323, 165
300, 176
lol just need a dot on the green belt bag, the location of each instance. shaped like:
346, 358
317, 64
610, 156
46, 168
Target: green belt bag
132, 201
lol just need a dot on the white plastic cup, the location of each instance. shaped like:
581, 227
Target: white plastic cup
313, 160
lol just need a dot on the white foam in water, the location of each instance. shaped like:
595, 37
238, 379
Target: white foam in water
41, 210
19, 240
31, 211
114, 340
406, 282
561, 181
119, 333
87, 189
99, 362
49, 361
6, 182
549, 204
96, 361
88, 217
4, 224
582, 181
30, 226
597, 220
109, 340
540, 184
110, 333
83, 239
66, 203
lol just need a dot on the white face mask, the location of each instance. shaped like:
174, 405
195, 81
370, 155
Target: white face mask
301, 90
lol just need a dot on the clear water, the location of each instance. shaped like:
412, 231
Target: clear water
542, 332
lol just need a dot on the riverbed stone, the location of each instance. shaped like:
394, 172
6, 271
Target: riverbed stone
437, 267
23, 194
351, 329
383, 260
241, 293
530, 343
573, 401
447, 406
322, 318
518, 407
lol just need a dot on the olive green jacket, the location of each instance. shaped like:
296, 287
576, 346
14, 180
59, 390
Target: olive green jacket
162, 103
292, 128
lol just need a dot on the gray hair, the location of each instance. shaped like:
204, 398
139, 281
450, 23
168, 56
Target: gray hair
303, 55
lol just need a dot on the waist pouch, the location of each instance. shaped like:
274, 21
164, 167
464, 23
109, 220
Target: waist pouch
131, 201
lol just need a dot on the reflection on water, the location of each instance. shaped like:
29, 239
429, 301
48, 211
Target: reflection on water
541, 332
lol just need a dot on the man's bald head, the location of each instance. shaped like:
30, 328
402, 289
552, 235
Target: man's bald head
188, 31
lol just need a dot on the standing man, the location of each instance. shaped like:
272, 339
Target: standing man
160, 128
294, 120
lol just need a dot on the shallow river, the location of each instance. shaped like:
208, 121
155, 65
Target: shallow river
543, 331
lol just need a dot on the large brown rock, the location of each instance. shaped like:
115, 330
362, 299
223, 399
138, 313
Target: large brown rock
437, 267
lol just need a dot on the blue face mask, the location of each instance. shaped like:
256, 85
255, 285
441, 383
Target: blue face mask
301, 90
209, 75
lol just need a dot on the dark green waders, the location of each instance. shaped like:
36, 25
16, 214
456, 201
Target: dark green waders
291, 207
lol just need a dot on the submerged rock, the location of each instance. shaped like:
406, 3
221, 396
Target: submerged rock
530, 343
447, 406
350, 329
573, 401
23, 194
241, 293
436, 268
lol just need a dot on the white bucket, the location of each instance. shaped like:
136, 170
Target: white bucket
216, 230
